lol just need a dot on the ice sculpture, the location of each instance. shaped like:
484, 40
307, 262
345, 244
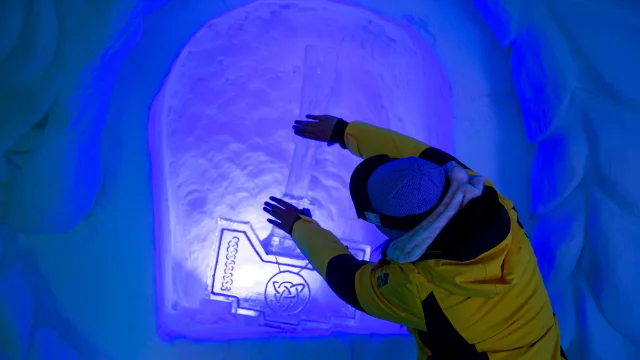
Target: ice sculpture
317, 87
284, 289
221, 144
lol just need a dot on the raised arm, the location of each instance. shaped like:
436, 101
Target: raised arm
391, 292
366, 140
362, 139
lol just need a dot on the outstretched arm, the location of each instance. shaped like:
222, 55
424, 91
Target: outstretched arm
361, 139
366, 140
391, 292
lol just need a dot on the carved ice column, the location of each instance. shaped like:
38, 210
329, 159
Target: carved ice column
284, 290
603, 37
317, 85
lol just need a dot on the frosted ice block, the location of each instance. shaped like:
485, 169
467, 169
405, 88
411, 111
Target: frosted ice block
252, 286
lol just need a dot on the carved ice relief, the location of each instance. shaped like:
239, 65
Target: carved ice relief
221, 144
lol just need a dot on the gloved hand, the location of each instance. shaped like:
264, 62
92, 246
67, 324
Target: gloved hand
285, 214
321, 128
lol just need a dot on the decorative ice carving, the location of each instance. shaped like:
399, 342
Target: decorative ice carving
281, 290
284, 290
605, 36
584, 236
222, 143
319, 71
559, 237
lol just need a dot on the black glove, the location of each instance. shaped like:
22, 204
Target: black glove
325, 128
337, 134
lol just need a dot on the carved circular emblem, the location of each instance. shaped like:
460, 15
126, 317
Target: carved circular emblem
287, 293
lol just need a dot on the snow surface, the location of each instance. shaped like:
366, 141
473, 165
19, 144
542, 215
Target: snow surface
543, 97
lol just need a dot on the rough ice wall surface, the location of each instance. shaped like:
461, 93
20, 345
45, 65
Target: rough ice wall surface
57, 82
217, 159
572, 63
57, 75
32, 325
572, 66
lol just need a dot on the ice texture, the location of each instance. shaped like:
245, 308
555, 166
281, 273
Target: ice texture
218, 160
566, 71
16, 312
506, 18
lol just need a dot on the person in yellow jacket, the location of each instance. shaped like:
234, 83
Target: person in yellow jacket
458, 269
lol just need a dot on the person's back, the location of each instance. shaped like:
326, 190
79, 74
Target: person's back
473, 291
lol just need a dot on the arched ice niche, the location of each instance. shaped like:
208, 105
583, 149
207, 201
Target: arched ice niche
221, 141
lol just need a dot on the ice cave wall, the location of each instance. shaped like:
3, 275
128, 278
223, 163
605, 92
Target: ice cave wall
76, 218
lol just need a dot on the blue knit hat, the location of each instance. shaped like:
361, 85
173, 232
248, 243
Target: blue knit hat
406, 186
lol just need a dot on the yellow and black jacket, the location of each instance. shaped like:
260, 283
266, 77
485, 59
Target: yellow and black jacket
476, 293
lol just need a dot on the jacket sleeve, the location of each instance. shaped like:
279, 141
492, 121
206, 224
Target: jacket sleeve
366, 140
392, 292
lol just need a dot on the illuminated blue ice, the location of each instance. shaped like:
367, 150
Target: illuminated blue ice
215, 161
541, 97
